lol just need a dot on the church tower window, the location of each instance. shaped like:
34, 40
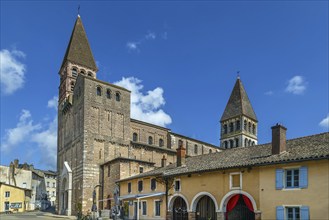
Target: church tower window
72, 86
150, 140
246, 142
135, 136
195, 149
225, 144
117, 96
90, 74
236, 142
245, 125
108, 93
99, 91
249, 127
231, 127
231, 144
253, 129
237, 125
225, 129
161, 143
82, 72
74, 72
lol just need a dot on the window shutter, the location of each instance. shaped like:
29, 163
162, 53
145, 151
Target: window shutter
304, 213
303, 177
279, 178
279, 213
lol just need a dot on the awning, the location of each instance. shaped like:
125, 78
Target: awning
141, 196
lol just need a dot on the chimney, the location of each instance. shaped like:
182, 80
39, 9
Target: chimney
163, 161
16, 163
181, 153
278, 139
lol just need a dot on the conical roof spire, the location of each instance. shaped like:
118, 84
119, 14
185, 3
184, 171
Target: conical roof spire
238, 104
78, 51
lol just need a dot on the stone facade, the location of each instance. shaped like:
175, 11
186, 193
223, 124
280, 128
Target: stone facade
97, 138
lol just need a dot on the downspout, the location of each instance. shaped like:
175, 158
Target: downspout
137, 208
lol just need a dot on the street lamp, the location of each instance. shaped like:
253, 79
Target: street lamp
94, 206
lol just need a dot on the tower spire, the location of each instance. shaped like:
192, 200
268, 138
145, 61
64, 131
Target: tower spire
78, 50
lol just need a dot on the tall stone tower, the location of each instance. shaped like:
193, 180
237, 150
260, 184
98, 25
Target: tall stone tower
239, 121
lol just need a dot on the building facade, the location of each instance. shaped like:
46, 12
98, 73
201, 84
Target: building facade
14, 199
98, 142
281, 180
50, 180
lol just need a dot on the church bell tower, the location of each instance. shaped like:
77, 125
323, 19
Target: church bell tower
239, 121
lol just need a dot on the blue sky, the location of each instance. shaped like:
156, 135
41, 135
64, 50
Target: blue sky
179, 58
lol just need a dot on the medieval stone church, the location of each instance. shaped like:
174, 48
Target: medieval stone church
99, 143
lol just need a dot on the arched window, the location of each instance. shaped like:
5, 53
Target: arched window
74, 72
253, 129
195, 149
72, 86
237, 125
210, 151
108, 93
231, 144
225, 144
90, 74
161, 142
245, 125
253, 143
117, 96
249, 143
249, 127
225, 129
246, 142
236, 142
231, 127
99, 91
82, 72
150, 140
135, 136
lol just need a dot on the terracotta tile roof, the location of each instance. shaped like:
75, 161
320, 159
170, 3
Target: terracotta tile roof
238, 103
307, 148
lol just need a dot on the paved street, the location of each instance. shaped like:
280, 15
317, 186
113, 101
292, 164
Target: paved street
32, 215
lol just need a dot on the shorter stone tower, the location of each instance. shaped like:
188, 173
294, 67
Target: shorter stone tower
239, 121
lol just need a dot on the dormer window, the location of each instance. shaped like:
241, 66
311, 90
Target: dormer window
74, 72
82, 72
90, 74
99, 91
117, 96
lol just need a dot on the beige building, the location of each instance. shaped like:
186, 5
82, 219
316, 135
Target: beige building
50, 181
14, 199
98, 142
279, 180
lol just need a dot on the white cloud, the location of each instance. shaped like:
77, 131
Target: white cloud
53, 103
269, 93
12, 71
135, 45
132, 45
296, 85
325, 122
20, 133
146, 107
150, 36
27, 133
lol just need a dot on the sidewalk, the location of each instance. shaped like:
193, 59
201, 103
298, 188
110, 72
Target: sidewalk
59, 216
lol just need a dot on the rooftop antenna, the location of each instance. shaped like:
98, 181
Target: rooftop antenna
79, 11
238, 74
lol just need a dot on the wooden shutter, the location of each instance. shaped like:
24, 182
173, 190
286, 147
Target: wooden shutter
279, 178
279, 213
305, 213
303, 177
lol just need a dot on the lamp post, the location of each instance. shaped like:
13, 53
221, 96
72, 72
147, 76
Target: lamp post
94, 206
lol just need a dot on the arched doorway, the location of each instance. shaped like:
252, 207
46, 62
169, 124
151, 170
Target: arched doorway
205, 209
179, 209
239, 207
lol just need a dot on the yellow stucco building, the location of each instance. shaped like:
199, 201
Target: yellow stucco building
14, 199
279, 180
